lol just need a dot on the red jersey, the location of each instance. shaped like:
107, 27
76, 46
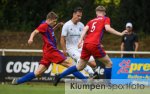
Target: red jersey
96, 29
48, 36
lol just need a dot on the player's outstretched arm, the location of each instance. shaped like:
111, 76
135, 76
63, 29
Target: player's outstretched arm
30, 41
85, 29
113, 31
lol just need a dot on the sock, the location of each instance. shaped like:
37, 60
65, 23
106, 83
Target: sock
26, 78
107, 73
79, 75
89, 70
70, 70
73, 70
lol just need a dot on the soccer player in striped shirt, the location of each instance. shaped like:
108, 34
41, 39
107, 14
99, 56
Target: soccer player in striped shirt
50, 52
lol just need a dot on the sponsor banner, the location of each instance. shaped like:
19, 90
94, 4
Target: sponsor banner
133, 69
17, 66
123, 68
14, 67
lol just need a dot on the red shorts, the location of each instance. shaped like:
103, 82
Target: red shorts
52, 56
91, 49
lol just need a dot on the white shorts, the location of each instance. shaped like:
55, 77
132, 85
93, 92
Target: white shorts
75, 54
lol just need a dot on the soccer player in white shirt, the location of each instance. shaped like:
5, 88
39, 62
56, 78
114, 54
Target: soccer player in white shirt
70, 36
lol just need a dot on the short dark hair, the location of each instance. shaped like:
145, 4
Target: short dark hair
100, 8
51, 15
77, 9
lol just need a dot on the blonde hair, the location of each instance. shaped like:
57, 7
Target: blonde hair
51, 15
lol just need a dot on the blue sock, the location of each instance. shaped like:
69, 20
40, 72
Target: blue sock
26, 78
72, 70
79, 75
107, 73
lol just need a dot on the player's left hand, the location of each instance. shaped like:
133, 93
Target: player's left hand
80, 43
65, 52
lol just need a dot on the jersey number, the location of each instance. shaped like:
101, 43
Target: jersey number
93, 27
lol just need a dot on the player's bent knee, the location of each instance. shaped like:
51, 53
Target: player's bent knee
109, 64
80, 66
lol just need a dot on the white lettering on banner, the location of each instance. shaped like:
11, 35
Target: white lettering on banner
100, 70
8, 67
49, 69
17, 67
25, 67
34, 66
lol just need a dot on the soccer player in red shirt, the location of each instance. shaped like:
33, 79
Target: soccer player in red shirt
50, 51
92, 35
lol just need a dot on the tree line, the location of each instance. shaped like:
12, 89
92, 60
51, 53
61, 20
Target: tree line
26, 15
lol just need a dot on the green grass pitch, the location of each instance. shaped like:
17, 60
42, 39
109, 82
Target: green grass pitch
40, 88
48, 88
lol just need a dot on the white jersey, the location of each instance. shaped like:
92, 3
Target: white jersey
72, 33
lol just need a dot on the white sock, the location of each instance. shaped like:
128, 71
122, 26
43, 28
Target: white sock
89, 69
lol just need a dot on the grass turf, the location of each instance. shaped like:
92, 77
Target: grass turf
46, 88
32, 89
